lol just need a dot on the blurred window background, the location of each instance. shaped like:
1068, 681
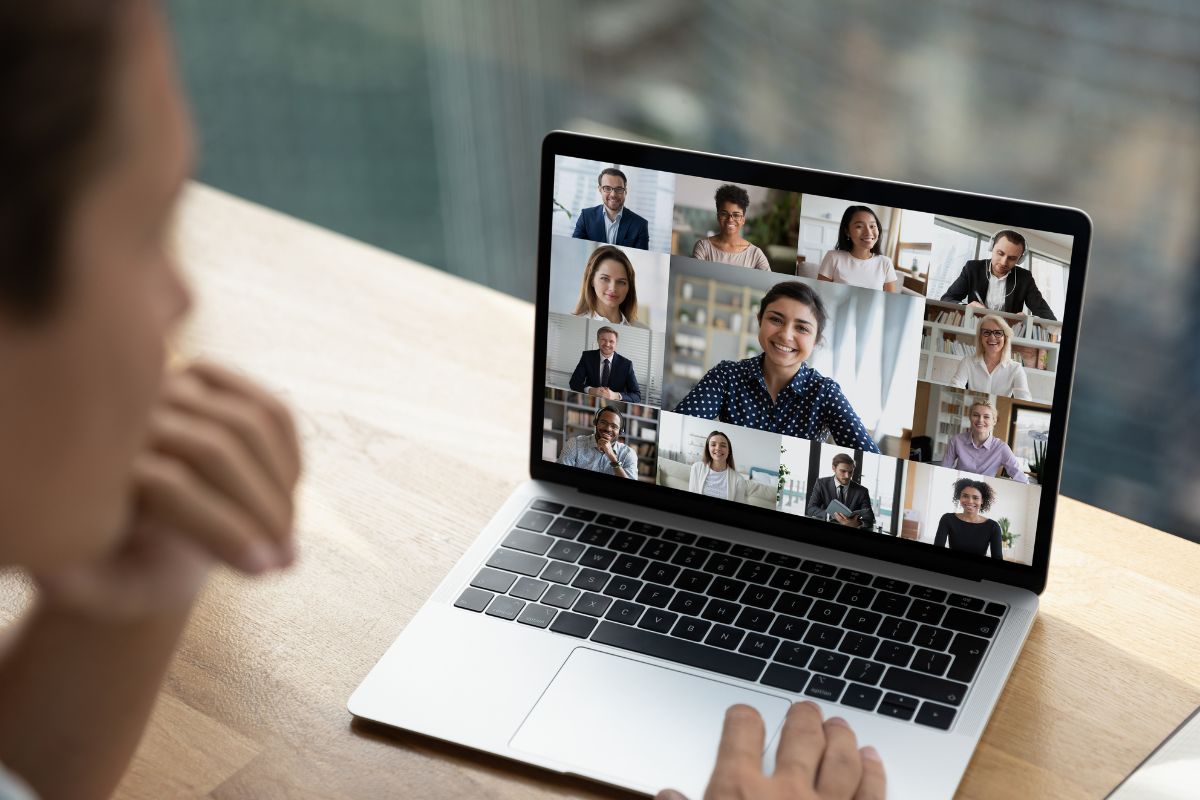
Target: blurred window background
415, 125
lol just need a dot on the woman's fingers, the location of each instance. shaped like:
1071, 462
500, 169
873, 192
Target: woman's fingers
873, 785
739, 756
840, 770
801, 743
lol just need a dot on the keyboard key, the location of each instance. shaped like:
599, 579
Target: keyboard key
760, 596
963, 601
626, 542
624, 588
717, 545
573, 624
597, 558
494, 580
858, 644
565, 528
596, 535
890, 585
927, 593
624, 612
592, 604
931, 637
692, 557
548, 506
828, 662
535, 521
931, 662
859, 696
898, 706
528, 542
558, 572
691, 628
890, 603
590, 579
521, 563
629, 566
611, 521
787, 678
970, 622
579, 513
688, 603
724, 637
794, 654
823, 636
936, 716
693, 580
654, 595
854, 595
894, 653
794, 604
745, 551
474, 600
721, 611
726, 588
529, 589
854, 576
659, 572
864, 671
755, 572
819, 568
721, 564
926, 687
968, 654
645, 528
659, 621
789, 628
995, 610
926, 612
862, 621
505, 607
899, 630
683, 537
782, 560
566, 551
538, 616
828, 613
658, 550
756, 644
755, 619
788, 580
561, 596
826, 588
825, 687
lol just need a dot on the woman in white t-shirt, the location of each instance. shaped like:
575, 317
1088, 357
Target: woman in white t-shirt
715, 474
857, 259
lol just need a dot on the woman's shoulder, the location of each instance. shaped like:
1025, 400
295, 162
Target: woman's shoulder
703, 246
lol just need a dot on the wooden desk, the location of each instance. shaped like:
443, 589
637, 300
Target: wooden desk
411, 389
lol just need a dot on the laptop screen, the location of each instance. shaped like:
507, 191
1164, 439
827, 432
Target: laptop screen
875, 367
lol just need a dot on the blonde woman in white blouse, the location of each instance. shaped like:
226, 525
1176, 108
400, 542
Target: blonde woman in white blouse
991, 369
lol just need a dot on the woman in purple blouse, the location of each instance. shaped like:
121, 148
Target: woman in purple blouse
978, 451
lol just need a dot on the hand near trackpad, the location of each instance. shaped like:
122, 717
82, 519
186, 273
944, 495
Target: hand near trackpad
619, 720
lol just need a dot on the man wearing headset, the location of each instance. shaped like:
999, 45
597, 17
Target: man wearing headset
997, 284
600, 451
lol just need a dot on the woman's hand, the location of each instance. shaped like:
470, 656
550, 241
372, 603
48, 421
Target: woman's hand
814, 761
214, 483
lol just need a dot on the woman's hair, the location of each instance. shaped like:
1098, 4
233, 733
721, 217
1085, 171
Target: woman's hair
986, 491
587, 294
984, 404
56, 73
843, 240
796, 290
729, 193
708, 458
995, 322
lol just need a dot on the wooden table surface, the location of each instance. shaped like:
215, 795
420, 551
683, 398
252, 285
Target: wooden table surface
411, 391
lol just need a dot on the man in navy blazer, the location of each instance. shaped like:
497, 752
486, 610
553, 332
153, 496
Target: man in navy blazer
998, 283
611, 221
590, 374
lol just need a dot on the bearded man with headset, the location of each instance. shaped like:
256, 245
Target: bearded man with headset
600, 451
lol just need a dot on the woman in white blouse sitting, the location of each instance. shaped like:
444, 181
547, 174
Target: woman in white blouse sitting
715, 474
857, 260
991, 369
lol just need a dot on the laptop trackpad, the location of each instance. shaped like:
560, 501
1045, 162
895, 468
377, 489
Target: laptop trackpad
638, 723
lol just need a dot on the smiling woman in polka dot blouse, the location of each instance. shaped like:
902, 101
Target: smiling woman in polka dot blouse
776, 391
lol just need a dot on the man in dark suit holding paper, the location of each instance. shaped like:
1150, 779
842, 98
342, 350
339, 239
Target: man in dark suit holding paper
605, 374
611, 221
842, 488
998, 283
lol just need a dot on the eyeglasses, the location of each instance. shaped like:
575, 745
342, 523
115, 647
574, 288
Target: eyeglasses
608, 426
736, 216
988, 333
617, 190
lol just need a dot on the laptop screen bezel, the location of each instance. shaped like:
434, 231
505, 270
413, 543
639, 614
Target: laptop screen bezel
1009, 212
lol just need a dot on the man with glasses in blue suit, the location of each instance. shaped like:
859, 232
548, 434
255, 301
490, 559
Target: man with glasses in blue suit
611, 221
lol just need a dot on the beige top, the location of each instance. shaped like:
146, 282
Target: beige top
751, 257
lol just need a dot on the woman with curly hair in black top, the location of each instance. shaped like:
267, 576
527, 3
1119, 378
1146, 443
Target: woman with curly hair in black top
968, 530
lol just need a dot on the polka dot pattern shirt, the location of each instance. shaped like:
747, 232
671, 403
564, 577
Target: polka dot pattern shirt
810, 407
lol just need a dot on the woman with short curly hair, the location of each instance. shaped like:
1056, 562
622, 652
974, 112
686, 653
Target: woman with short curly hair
727, 245
968, 530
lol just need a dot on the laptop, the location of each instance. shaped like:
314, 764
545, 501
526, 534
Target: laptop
729, 355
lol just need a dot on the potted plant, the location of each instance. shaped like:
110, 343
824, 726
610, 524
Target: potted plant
1039, 452
1007, 537
783, 473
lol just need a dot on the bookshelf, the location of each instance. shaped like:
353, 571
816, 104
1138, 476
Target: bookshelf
949, 334
952, 418
713, 321
569, 414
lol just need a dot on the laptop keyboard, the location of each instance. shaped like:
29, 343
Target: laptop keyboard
836, 634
